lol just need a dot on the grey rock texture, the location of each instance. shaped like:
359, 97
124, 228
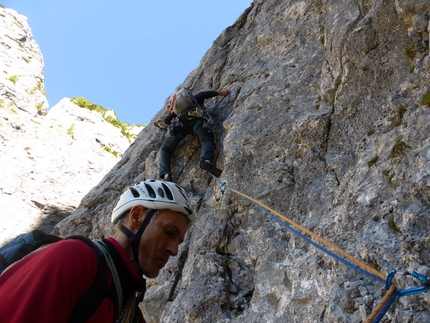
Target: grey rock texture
327, 124
49, 160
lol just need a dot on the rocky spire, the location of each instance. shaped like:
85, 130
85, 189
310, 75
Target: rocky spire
49, 160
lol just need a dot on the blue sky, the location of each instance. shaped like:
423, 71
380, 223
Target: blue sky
124, 55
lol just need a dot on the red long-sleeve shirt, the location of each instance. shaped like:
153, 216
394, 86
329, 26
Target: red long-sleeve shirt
45, 286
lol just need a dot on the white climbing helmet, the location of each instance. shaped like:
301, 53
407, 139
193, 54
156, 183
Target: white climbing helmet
156, 195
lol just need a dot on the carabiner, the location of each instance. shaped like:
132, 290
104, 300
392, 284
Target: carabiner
411, 291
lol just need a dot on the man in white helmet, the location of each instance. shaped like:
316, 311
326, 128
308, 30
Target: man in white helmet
135, 214
62, 282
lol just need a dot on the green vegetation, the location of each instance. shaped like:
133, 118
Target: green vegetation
13, 79
32, 91
84, 103
387, 175
109, 150
305, 300
373, 161
336, 86
119, 124
16, 40
392, 225
399, 118
352, 309
70, 131
374, 264
317, 104
410, 52
40, 87
26, 60
39, 105
338, 81
426, 99
399, 147
226, 261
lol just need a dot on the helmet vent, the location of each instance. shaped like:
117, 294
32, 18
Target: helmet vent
150, 191
134, 191
160, 192
168, 191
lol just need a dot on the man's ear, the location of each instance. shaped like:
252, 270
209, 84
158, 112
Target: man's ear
136, 216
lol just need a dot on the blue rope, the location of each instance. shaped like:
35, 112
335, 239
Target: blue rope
416, 290
334, 255
289, 227
316, 245
385, 308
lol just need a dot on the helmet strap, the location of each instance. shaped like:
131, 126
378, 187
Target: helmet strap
135, 238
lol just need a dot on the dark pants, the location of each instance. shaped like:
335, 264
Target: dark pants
171, 142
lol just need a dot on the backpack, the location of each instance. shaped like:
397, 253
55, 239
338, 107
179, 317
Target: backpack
22, 245
182, 100
26, 243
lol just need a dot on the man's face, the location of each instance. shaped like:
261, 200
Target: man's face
160, 240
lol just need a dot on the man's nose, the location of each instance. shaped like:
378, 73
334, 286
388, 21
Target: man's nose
173, 249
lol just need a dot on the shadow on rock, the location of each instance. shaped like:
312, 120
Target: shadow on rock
50, 216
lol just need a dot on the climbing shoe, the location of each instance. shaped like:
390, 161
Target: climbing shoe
207, 165
166, 177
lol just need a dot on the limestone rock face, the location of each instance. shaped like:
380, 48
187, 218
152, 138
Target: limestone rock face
21, 63
328, 124
49, 160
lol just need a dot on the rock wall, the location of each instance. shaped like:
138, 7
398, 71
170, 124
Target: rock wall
49, 160
328, 124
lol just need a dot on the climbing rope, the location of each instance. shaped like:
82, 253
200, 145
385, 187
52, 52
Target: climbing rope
385, 303
392, 293
115, 276
345, 258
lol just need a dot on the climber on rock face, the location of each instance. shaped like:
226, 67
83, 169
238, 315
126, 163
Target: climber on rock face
187, 118
72, 281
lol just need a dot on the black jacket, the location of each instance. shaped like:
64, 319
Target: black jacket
186, 118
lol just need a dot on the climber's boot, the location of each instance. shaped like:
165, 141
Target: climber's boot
207, 165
